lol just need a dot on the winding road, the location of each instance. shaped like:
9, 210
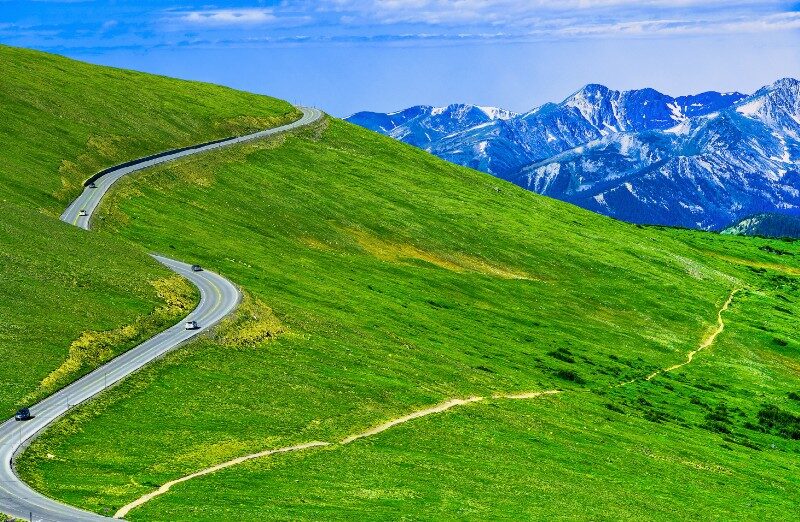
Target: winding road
218, 298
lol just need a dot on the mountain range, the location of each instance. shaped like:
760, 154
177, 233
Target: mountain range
700, 161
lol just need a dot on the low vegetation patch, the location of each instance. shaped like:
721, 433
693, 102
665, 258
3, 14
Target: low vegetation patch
776, 251
562, 354
772, 419
93, 348
719, 419
456, 262
253, 324
570, 375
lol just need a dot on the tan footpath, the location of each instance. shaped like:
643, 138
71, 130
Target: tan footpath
308, 445
163, 489
708, 341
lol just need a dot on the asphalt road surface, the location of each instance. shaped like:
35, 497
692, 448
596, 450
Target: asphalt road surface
218, 297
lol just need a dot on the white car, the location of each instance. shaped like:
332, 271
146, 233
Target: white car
82, 213
192, 325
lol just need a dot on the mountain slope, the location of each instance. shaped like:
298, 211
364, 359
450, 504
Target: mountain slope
383, 281
423, 126
128, 115
766, 225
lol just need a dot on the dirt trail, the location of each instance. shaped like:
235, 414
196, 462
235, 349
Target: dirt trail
411, 416
166, 487
316, 444
529, 395
708, 341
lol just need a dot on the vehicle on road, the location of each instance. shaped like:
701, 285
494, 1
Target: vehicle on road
23, 414
82, 213
91, 185
192, 325
197, 268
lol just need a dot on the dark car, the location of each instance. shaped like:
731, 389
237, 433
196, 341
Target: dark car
23, 414
197, 268
91, 185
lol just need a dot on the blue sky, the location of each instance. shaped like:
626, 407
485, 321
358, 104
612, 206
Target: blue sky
348, 55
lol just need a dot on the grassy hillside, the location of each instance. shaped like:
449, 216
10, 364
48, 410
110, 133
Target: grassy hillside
383, 281
65, 120
66, 294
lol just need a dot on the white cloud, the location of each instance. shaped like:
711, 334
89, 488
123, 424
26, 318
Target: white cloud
498, 12
462, 20
769, 23
227, 17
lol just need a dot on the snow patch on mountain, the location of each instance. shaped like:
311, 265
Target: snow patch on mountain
495, 113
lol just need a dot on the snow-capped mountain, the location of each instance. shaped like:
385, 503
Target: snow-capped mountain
701, 161
705, 172
501, 142
423, 125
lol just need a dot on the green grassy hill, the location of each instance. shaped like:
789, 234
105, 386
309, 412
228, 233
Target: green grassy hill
66, 294
381, 280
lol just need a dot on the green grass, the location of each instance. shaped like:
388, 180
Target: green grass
62, 121
397, 281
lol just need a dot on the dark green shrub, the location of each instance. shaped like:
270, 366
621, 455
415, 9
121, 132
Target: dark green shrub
772, 419
570, 375
561, 356
719, 419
